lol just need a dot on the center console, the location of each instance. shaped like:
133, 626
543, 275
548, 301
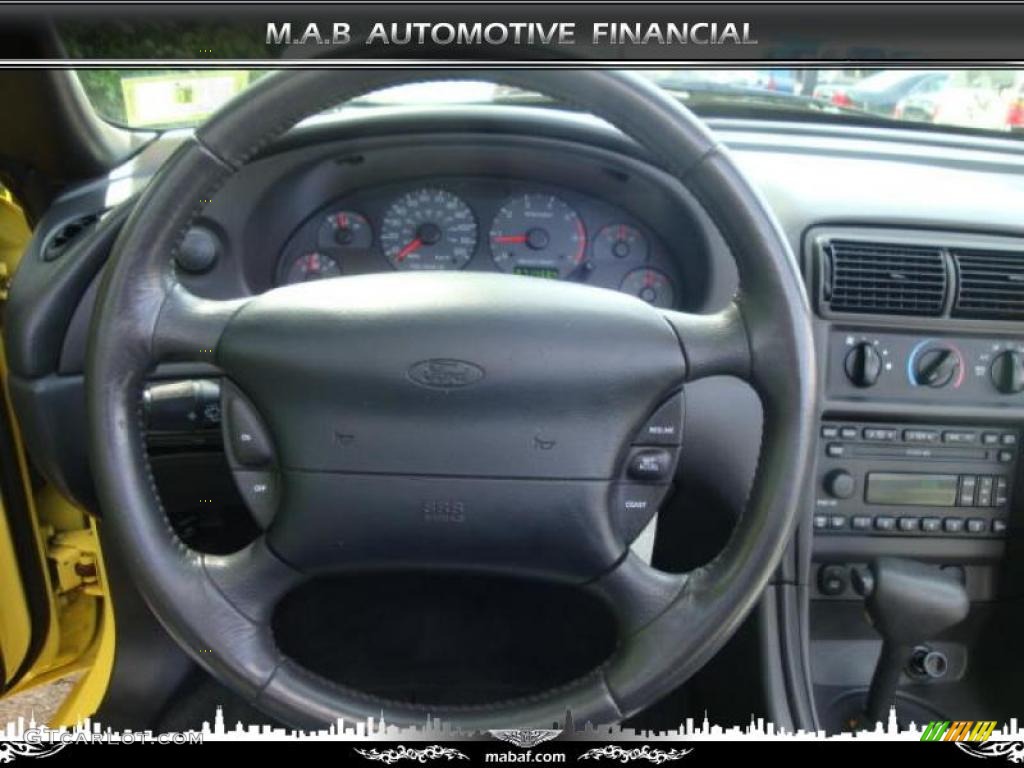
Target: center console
921, 417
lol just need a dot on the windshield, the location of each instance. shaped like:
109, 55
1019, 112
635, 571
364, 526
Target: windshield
985, 100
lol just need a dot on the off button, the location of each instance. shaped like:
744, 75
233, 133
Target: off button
651, 465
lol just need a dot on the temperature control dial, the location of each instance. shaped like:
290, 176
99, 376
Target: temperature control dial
1007, 372
936, 367
863, 365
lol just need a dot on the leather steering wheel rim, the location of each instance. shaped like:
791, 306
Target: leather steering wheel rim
218, 608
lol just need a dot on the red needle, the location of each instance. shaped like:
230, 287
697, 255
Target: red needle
510, 239
409, 249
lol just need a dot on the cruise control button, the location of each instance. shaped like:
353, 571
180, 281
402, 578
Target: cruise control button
665, 427
249, 444
650, 464
260, 491
977, 525
953, 524
633, 506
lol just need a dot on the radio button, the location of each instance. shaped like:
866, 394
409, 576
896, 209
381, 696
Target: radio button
848, 433
861, 523
820, 522
920, 435
877, 434
984, 498
909, 524
931, 524
953, 524
968, 484
959, 437
1009, 438
885, 523
998, 526
830, 432
990, 438
1006, 456
977, 525
840, 484
837, 522
835, 450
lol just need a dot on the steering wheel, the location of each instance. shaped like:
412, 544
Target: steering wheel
479, 422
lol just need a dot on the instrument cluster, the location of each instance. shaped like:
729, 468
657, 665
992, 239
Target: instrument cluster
520, 228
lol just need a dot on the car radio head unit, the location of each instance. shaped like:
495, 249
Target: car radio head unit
909, 479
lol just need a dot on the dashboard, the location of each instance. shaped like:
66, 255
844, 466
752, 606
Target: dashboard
481, 224
922, 370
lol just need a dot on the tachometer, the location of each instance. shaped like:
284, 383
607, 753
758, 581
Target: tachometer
537, 235
428, 229
312, 266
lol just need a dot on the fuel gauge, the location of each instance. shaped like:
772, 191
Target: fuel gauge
620, 243
650, 285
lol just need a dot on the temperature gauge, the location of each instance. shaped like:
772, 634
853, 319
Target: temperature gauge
344, 229
312, 266
652, 286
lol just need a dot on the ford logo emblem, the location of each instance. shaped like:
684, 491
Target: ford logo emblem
445, 374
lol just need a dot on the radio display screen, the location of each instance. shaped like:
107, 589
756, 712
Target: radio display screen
911, 489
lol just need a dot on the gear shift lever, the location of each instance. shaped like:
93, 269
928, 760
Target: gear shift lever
908, 603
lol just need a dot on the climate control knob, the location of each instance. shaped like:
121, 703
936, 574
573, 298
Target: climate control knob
863, 365
1007, 372
936, 367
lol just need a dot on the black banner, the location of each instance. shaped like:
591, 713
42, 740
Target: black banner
577, 32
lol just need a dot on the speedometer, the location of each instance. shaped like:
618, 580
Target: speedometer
537, 235
428, 229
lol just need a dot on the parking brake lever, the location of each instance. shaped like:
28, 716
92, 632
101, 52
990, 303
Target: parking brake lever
908, 603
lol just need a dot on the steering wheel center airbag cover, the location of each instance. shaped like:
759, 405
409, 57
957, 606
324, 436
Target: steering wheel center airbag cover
451, 374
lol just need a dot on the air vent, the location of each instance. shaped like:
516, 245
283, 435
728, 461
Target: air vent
884, 278
991, 284
67, 233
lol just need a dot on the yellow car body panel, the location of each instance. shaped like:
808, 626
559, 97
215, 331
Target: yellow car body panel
80, 632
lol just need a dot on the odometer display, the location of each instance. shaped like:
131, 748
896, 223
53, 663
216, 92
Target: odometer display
537, 234
428, 228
